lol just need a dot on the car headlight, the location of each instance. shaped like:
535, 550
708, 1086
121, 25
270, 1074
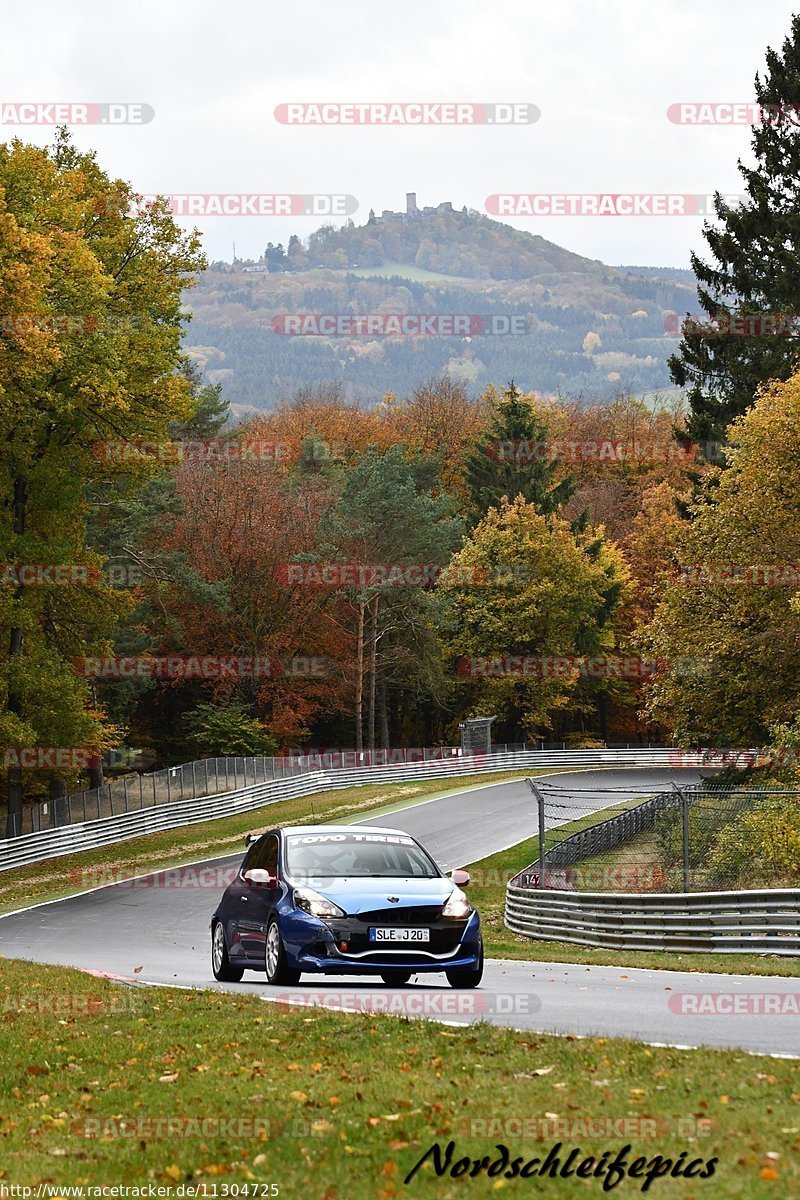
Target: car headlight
315, 904
458, 906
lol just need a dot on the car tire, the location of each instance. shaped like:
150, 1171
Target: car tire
395, 978
466, 977
221, 965
275, 958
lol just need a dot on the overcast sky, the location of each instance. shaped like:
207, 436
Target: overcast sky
602, 73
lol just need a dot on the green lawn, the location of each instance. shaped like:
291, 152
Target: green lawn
111, 1086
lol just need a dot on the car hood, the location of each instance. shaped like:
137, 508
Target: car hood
355, 895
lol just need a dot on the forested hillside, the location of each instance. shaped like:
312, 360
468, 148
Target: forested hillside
580, 328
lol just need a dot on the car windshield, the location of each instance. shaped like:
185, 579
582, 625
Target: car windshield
362, 855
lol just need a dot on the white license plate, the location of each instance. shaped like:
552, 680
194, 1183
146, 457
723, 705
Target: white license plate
399, 935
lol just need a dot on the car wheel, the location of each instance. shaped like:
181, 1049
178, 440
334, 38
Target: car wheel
395, 978
275, 958
466, 977
221, 965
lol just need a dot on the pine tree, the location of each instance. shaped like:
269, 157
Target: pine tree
756, 263
512, 458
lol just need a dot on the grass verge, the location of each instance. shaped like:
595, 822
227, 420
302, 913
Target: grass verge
58, 877
487, 892
109, 1086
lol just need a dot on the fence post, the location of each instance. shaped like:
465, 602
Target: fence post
684, 833
125, 792
205, 765
194, 782
542, 851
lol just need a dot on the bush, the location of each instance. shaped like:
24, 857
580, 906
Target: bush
227, 730
762, 849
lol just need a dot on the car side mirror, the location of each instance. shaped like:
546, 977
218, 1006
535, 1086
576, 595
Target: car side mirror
460, 878
261, 877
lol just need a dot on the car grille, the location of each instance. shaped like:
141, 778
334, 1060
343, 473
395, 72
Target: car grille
354, 932
421, 915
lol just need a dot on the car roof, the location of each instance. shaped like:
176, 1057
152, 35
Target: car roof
340, 829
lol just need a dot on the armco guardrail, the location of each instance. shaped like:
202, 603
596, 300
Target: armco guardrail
88, 835
209, 777
760, 922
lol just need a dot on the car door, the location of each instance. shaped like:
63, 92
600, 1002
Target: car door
233, 906
256, 901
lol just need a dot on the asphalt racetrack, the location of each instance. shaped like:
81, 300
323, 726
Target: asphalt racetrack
155, 931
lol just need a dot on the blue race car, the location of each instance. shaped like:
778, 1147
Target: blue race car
344, 900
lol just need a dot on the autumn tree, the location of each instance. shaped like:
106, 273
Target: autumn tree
238, 527
91, 296
392, 513
441, 422
728, 626
618, 450
524, 586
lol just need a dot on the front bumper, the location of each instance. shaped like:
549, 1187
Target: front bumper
342, 946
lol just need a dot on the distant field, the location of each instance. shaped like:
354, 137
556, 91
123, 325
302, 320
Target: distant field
407, 271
